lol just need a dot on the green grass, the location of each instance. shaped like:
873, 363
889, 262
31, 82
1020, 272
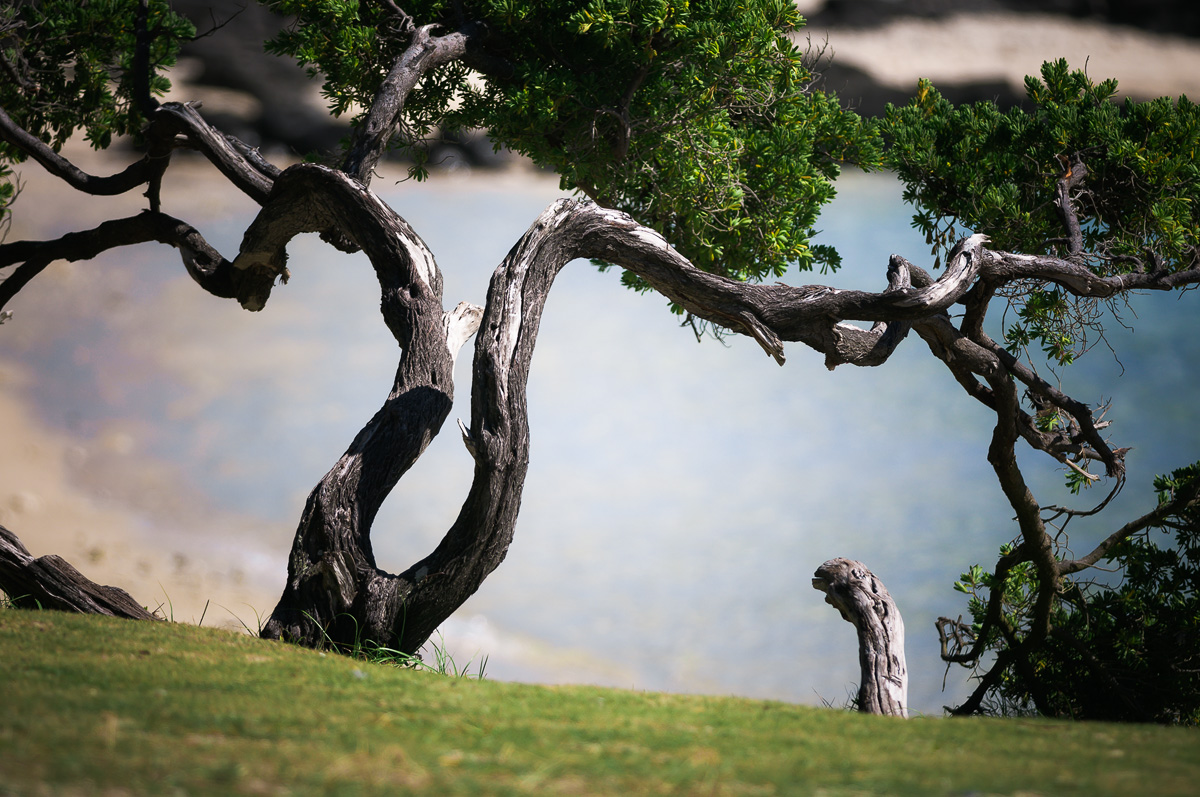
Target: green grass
96, 706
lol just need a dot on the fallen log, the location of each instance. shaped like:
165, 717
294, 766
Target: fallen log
50, 582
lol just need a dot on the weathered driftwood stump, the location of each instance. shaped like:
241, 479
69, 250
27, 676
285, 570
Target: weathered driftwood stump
50, 582
863, 600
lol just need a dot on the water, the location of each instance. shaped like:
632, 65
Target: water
680, 494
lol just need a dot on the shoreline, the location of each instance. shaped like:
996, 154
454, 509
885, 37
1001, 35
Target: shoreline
987, 47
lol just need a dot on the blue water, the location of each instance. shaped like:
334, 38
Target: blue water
680, 494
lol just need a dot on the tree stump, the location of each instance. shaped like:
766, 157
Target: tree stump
863, 600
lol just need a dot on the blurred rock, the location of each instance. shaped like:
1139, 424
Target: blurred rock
876, 50
228, 54
1179, 17
864, 95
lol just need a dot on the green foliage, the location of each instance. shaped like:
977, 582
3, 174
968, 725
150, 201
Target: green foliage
1126, 652
696, 118
973, 167
1018, 588
996, 172
70, 66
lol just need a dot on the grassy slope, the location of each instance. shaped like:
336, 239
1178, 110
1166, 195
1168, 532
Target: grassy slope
89, 704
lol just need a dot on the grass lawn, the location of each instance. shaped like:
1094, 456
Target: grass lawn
92, 705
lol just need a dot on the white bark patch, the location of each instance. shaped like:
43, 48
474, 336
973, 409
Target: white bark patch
423, 263
514, 303
460, 324
246, 260
650, 237
422, 260
642, 233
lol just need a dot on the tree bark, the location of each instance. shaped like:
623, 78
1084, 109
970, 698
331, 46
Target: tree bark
49, 582
862, 599
335, 593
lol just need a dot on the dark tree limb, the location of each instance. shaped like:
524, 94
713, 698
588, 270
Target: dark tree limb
862, 600
992, 615
20, 277
772, 314
987, 682
1082, 281
142, 70
1035, 542
134, 175
966, 358
240, 164
335, 593
49, 582
205, 265
1074, 172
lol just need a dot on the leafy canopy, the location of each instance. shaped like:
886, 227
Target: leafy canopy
696, 118
71, 66
977, 168
1126, 652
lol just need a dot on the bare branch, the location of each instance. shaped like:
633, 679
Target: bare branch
1155, 517
992, 615
312, 198
1081, 281
240, 164
426, 52
136, 174
206, 266
1074, 172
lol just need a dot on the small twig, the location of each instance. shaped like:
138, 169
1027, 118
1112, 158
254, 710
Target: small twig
216, 26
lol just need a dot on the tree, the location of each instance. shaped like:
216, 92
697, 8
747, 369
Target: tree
1125, 652
705, 123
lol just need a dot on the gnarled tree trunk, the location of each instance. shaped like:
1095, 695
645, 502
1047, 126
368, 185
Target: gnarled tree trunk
335, 593
862, 599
